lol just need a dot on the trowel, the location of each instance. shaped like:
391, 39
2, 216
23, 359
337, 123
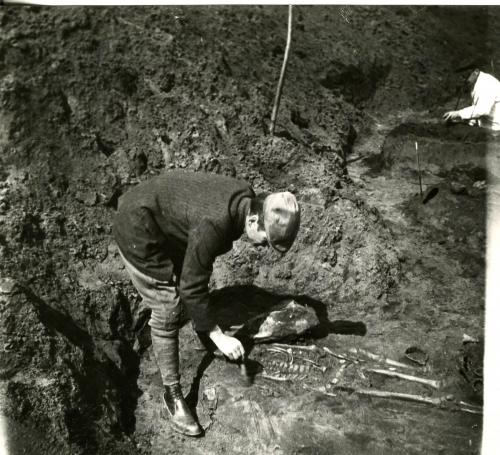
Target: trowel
244, 365
246, 377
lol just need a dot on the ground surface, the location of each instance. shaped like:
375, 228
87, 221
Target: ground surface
95, 100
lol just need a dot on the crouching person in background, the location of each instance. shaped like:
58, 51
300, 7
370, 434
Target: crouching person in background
485, 108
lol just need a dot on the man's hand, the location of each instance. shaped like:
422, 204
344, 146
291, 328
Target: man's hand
231, 347
452, 116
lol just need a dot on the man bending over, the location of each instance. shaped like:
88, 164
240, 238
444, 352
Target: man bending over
169, 231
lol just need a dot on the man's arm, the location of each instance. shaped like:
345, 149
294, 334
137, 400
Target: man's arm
228, 345
484, 100
205, 243
470, 113
480, 109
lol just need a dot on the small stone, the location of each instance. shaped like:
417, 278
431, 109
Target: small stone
220, 123
480, 184
138, 163
458, 188
91, 199
7, 285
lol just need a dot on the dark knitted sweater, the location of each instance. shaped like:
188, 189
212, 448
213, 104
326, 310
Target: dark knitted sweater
178, 223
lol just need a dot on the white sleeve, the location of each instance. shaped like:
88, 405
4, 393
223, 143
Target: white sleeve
467, 112
480, 109
483, 101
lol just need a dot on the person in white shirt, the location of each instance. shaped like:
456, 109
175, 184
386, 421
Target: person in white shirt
485, 108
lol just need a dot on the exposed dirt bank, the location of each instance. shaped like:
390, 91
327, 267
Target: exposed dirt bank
94, 100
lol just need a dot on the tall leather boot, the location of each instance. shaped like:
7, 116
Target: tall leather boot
176, 410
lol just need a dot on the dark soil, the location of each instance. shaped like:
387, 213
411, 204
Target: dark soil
95, 100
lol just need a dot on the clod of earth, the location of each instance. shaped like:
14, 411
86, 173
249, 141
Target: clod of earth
7, 286
471, 366
417, 355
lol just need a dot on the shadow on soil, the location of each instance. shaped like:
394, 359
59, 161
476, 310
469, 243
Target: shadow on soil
442, 148
96, 376
235, 305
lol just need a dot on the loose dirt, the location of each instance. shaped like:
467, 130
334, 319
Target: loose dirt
95, 100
